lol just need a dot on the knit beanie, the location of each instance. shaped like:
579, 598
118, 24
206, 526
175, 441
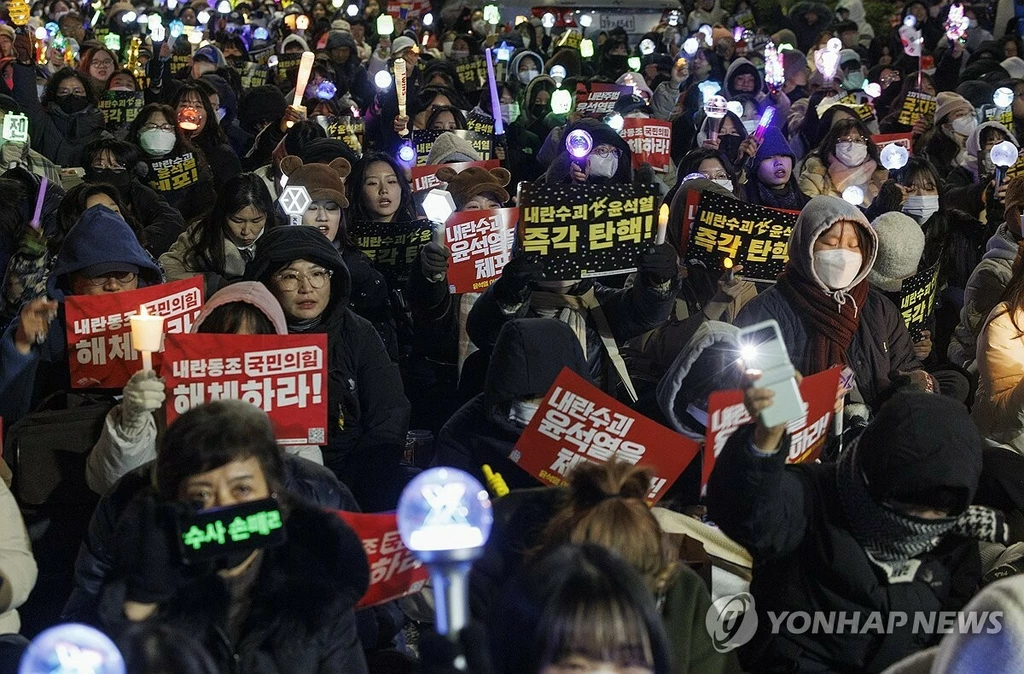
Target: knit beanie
262, 104
793, 62
322, 181
449, 148
326, 150
1015, 66
7, 31
475, 181
774, 143
976, 92
949, 104
900, 246
1014, 194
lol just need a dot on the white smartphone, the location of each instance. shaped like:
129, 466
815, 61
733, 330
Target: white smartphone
762, 349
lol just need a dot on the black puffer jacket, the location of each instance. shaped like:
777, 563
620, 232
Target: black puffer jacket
367, 411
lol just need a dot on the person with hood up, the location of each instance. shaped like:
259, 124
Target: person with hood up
827, 312
970, 187
525, 67
536, 106
743, 77
731, 139
989, 279
225, 105
367, 411
889, 528
808, 20
610, 161
946, 144
99, 255
770, 180
349, 74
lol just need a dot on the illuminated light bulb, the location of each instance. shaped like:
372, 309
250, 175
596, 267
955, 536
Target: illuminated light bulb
1002, 97
548, 20
561, 102
385, 24
586, 20
438, 205
352, 10
195, 37
41, 33
647, 46
579, 143
894, 156
853, 195
261, 33
691, 45
302, 22
492, 15
615, 121
383, 80
73, 649
910, 21
587, 48
171, 4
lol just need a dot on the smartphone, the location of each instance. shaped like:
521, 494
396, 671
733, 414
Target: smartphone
217, 532
763, 349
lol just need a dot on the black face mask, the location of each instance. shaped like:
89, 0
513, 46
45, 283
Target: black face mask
109, 176
616, 63
539, 111
729, 146
71, 104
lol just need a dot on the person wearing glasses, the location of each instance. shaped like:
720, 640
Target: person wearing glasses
99, 255
846, 158
610, 161
368, 413
98, 65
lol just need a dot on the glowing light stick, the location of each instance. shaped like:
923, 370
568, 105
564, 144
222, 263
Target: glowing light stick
827, 59
715, 109
492, 84
956, 23
728, 264
774, 73
873, 89
690, 46
662, 225
894, 156
401, 88
305, 68
708, 88
385, 24
71, 648
40, 197
854, 195
1002, 97
1003, 155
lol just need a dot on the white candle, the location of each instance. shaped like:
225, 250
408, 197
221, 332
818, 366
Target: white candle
147, 335
662, 225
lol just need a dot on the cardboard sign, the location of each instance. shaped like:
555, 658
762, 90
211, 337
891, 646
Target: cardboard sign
585, 231
650, 140
174, 173
394, 570
472, 73
254, 75
347, 128
990, 113
15, 128
481, 243
577, 423
726, 413
598, 99
283, 375
753, 236
916, 105
424, 178
917, 300
120, 108
904, 140
100, 353
424, 141
393, 246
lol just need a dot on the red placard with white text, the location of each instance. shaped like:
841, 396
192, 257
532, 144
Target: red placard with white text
481, 245
577, 423
100, 353
726, 413
689, 215
649, 140
284, 375
425, 177
905, 140
394, 570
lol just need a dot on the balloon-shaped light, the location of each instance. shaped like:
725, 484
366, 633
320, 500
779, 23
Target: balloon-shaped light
854, 195
894, 156
561, 101
407, 153
1004, 154
707, 31
428, 20
548, 20
73, 649
647, 46
383, 80
1002, 97
690, 46
302, 22
615, 121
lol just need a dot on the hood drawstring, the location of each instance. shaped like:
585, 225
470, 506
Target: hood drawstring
841, 296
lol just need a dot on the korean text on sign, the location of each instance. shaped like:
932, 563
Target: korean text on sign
481, 245
394, 570
917, 300
100, 353
235, 531
577, 423
284, 375
176, 173
599, 99
393, 246
425, 177
915, 106
650, 141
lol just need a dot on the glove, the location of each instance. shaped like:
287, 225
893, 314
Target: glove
143, 394
513, 287
659, 264
890, 198
434, 261
149, 556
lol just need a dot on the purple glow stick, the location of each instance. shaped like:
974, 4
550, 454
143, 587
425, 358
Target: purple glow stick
39, 203
499, 125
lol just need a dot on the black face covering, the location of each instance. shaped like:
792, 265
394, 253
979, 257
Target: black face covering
109, 176
729, 146
539, 111
71, 104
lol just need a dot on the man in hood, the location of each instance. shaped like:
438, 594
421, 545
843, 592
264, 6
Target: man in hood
349, 74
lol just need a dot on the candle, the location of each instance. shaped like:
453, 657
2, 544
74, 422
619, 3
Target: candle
727, 263
40, 197
147, 335
662, 225
499, 125
401, 87
305, 68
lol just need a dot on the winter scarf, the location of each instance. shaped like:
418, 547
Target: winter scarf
843, 176
831, 321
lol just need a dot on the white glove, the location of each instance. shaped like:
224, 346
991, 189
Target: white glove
143, 394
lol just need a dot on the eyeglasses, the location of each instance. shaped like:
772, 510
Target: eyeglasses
291, 280
79, 91
121, 277
103, 64
607, 152
853, 141
155, 127
716, 176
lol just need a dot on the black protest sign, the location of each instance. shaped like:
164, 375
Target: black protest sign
120, 108
181, 65
472, 73
917, 300
424, 141
860, 103
479, 123
287, 62
584, 231
254, 75
915, 106
347, 128
751, 235
176, 173
393, 246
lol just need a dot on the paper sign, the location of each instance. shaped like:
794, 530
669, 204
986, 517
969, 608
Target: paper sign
472, 73
808, 433
253, 75
394, 570
483, 124
347, 128
917, 300
181, 65
481, 243
860, 103
283, 375
916, 105
577, 423
753, 236
393, 246
173, 174
15, 128
585, 231
287, 62
120, 108
991, 113
424, 141
904, 140
100, 353
424, 178
598, 99
650, 140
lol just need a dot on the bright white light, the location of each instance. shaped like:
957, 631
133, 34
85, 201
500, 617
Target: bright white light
853, 195
142, 19
40, 33
336, 4
548, 20
302, 22
706, 29
382, 79
492, 15
735, 107
407, 154
195, 37
203, 17
557, 74
158, 32
1004, 154
673, 18
894, 156
561, 101
708, 88
615, 121
72, 649
438, 205
171, 4
385, 24
586, 20
154, 21
587, 48
352, 10
633, 62
1002, 97
646, 46
910, 20
748, 352
224, 7
129, 17
835, 44
444, 509
873, 89
428, 20
691, 45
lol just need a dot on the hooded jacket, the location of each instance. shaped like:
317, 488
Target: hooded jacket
177, 265
880, 347
999, 402
742, 66
368, 413
558, 172
350, 76
964, 186
527, 357
791, 520
513, 68
99, 236
984, 289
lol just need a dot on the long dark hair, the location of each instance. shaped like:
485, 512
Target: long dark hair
211, 134
181, 144
206, 238
73, 205
840, 129
357, 209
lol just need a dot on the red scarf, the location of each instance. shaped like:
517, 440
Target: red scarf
830, 326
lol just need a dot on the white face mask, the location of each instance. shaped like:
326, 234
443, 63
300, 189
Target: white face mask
521, 413
837, 268
724, 182
509, 112
121, 89
964, 125
750, 125
157, 142
921, 208
603, 167
526, 76
851, 154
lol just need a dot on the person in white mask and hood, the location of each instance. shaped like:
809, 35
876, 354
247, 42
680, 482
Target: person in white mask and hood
971, 187
828, 313
946, 144
525, 66
846, 158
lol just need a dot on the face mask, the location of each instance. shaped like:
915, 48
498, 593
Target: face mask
109, 176
921, 208
40, 90
521, 413
851, 154
837, 268
603, 167
750, 125
729, 146
854, 81
71, 104
539, 111
221, 114
460, 54
724, 182
447, 48
509, 112
964, 125
157, 142
527, 76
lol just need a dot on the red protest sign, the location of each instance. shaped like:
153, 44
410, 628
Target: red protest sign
650, 140
598, 99
394, 570
284, 375
576, 423
726, 413
425, 177
481, 244
904, 140
100, 353
689, 215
